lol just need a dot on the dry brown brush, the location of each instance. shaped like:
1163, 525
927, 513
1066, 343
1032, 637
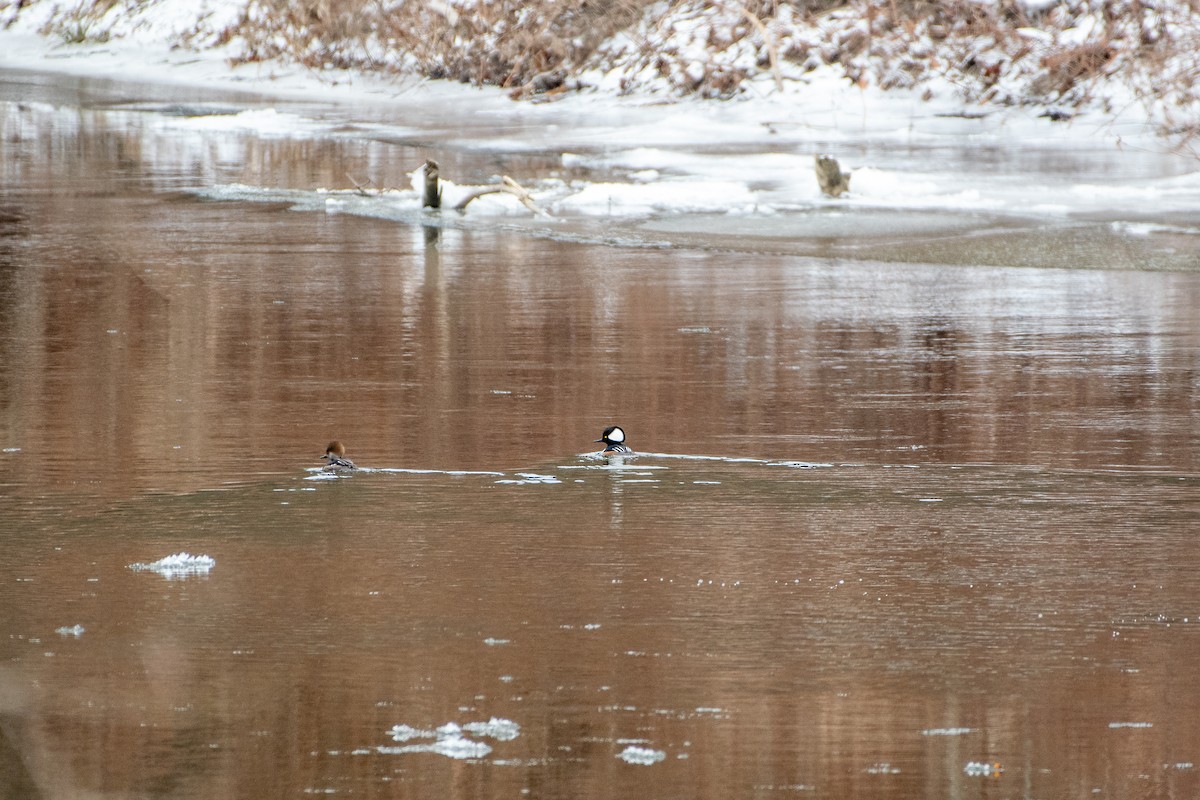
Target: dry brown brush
1062, 55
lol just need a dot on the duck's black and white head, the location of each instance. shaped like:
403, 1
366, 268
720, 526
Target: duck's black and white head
614, 440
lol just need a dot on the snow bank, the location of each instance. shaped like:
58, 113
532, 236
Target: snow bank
1119, 57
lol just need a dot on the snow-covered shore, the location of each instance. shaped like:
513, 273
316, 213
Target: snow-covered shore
1120, 68
671, 167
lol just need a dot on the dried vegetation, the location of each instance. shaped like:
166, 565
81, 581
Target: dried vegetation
1060, 55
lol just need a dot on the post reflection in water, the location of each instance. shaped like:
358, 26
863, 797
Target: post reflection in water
935, 536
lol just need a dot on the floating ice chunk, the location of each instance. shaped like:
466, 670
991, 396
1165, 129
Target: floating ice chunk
1131, 725
74, 630
456, 746
643, 756
448, 739
502, 730
980, 769
403, 733
946, 731
180, 565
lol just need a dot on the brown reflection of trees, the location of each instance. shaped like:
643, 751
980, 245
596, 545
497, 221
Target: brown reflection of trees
162, 342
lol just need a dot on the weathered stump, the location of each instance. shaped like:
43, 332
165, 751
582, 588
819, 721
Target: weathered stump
830, 178
433, 192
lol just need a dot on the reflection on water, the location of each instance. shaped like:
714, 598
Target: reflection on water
942, 543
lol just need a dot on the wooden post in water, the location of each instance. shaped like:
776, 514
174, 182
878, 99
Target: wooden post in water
830, 177
433, 192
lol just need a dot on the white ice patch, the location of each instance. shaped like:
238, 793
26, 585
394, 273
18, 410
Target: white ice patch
502, 730
265, 122
643, 756
448, 739
74, 630
1150, 229
180, 565
642, 199
946, 731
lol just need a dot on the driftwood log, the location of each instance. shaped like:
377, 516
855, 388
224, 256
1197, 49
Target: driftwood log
830, 178
507, 186
433, 191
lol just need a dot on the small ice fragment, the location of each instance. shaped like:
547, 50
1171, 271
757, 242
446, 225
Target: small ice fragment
1131, 724
979, 769
503, 730
74, 630
643, 756
883, 768
402, 733
449, 746
449, 740
491, 642
12, 450
799, 464
179, 565
945, 731
452, 744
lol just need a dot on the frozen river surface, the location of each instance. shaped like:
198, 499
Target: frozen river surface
916, 513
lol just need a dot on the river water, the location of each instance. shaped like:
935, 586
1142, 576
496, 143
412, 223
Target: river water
907, 528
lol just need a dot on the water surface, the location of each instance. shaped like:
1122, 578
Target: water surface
933, 535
